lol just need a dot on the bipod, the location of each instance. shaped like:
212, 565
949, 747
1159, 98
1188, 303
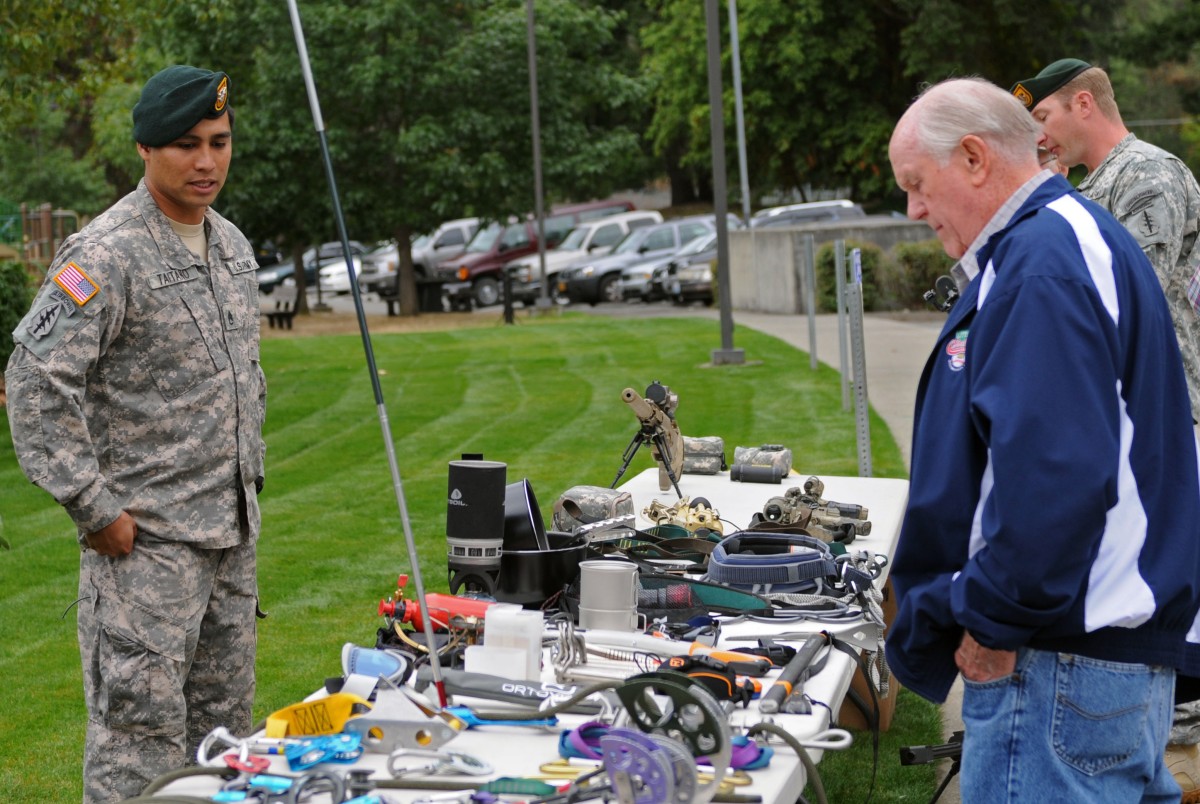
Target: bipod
648, 435
924, 754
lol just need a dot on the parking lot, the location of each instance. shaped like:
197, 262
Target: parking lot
374, 306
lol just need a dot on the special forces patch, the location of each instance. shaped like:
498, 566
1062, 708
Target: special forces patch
1141, 211
42, 320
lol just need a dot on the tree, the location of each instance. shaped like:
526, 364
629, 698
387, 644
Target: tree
824, 83
57, 85
1161, 44
62, 178
426, 112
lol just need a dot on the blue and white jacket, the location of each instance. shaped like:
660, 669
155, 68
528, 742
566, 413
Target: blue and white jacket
1055, 499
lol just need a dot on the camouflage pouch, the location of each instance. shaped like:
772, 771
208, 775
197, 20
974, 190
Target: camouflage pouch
583, 505
775, 455
703, 456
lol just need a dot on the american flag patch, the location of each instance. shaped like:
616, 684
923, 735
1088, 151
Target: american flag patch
1193, 290
76, 283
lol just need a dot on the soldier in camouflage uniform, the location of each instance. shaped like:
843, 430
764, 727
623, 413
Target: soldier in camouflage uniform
136, 399
1154, 195
1148, 189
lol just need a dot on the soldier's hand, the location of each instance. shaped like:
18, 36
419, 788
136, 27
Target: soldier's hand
980, 664
116, 538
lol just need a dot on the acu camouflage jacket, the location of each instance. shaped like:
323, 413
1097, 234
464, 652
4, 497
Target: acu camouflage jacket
135, 381
1154, 195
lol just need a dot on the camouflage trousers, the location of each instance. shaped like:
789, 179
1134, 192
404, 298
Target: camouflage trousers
1185, 720
1185, 723
167, 640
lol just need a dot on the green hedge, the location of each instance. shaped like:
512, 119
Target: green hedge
894, 280
920, 264
16, 294
872, 266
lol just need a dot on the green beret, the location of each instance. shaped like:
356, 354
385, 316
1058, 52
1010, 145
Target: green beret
1033, 91
175, 100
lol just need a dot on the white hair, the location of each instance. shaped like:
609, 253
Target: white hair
946, 112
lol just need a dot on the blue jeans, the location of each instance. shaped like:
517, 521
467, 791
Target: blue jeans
1066, 728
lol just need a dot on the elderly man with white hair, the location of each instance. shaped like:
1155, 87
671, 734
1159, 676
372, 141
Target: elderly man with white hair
1048, 551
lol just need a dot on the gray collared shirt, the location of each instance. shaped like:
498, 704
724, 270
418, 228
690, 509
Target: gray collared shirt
967, 268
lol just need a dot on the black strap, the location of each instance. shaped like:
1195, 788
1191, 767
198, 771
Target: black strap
870, 713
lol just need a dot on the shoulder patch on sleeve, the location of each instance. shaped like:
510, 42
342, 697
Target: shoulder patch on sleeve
1147, 216
42, 320
52, 318
78, 285
1142, 201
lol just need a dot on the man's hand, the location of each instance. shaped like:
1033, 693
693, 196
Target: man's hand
980, 664
115, 538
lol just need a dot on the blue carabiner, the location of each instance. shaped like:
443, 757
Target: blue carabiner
472, 720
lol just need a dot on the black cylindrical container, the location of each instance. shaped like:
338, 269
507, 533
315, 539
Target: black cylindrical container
749, 473
475, 523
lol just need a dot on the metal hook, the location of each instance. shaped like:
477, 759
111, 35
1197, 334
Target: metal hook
441, 762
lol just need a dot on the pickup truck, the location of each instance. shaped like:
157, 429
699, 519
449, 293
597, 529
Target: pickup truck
380, 268
589, 239
475, 277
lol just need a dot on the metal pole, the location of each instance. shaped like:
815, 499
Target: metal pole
373, 369
743, 175
726, 354
543, 299
862, 413
839, 271
810, 296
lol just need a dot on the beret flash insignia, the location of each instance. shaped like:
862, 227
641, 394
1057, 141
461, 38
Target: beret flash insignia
1022, 94
222, 94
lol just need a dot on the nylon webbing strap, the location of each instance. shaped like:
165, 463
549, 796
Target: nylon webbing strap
780, 561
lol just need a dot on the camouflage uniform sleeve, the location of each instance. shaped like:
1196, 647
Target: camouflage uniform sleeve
57, 347
1149, 205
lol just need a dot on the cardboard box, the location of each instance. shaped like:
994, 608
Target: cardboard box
850, 717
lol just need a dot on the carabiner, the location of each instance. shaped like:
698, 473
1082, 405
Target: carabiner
440, 762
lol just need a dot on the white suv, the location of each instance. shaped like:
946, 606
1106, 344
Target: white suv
592, 238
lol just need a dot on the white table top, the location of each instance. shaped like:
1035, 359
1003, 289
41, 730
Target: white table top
519, 751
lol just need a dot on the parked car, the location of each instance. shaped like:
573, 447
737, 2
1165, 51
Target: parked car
811, 212
692, 281
266, 254
313, 258
446, 242
598, 280
589, 239
271, 276
379, 266
701, 250
475, 276
335, 278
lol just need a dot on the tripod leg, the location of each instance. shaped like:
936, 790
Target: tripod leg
630, 451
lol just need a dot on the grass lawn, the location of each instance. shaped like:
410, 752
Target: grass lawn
543, 397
